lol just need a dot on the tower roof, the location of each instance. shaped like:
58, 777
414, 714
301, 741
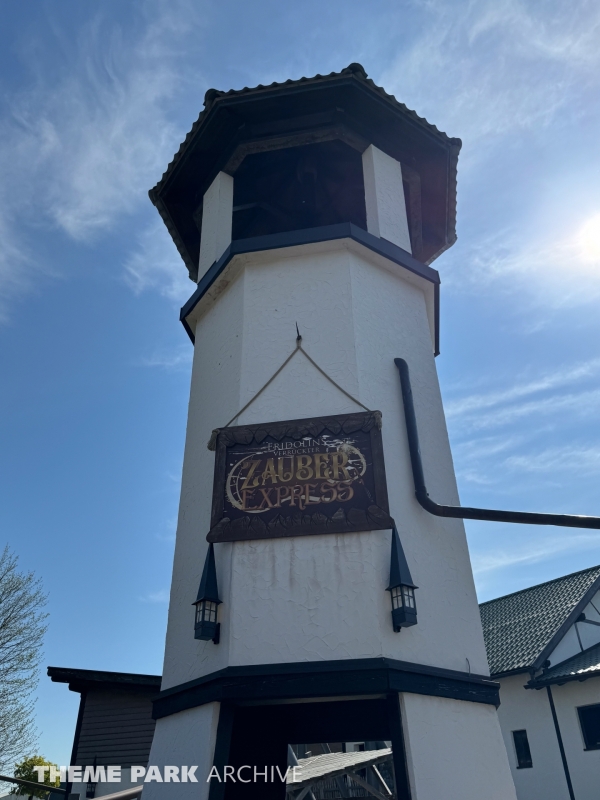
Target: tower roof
344, 105
399, 570
208, 589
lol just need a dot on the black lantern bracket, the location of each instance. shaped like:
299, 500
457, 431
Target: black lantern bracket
401, 587
207, 602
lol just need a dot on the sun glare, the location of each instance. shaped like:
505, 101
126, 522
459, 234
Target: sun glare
589, 240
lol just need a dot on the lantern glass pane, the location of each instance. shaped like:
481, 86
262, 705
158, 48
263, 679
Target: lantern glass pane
206, 611
396, 597
408, 594
210, 613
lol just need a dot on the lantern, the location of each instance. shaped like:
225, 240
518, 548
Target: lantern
206, 626
401, 588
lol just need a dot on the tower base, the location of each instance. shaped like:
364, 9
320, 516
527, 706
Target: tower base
442, 747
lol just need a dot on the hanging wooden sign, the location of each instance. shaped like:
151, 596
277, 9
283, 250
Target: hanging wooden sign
301, 477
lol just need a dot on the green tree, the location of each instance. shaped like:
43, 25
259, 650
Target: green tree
25, 770
22, 629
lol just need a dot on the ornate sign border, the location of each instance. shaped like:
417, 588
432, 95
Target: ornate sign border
374, 517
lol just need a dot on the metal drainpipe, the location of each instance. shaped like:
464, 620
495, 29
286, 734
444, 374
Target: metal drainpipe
561, 747
463, 512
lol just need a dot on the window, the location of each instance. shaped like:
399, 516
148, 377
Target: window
589, 719
522, 750
294, 188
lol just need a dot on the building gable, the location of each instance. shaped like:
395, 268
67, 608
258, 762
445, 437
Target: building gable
522, 628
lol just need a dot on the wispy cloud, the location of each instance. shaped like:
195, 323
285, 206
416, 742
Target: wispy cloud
500, 74
176, 359
169, 529
579, 404
473, 456
79, 153
538, 396
16, 265
551, 380
552, 268
161, 596
502, 433
584, 460
156, 264
534, 550
495, 66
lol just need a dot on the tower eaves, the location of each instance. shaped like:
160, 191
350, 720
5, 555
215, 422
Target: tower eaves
344, 105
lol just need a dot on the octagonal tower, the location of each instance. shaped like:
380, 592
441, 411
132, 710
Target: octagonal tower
318, 203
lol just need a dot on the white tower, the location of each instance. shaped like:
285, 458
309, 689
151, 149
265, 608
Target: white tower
320, 202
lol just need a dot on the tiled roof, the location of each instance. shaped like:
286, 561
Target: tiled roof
342, 104
518, 627
583, 665
329, 765
357, 70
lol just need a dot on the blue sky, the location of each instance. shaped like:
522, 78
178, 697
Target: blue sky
94, 100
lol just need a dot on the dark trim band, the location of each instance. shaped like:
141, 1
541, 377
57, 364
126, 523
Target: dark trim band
344, 230
496, 676
345, 678
560, 680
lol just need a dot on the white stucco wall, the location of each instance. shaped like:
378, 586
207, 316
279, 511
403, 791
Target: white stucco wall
583, 765
384, 197
184, 739
520, 709
217, 221
316, 598
530, 710
454, 750
567, 647
321, 597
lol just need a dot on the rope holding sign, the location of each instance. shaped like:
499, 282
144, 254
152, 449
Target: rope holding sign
212, 442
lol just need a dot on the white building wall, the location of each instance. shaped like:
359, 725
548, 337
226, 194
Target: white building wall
384, 197
217, 221
321, 597
584, 765
567, 647
530, 710
580, 636
184, 739
453, 750
520, 709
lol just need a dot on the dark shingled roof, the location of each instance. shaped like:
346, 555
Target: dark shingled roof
82, 679
519, 627
354, 69
348, 99
579, 668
